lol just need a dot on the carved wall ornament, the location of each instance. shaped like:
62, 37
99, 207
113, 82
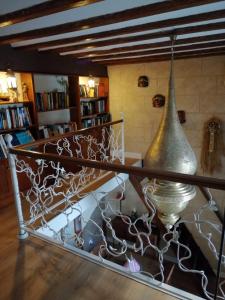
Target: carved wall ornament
212, 147
158, 100
143, 81
181, 116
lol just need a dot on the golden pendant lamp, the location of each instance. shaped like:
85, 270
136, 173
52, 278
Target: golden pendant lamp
171, 151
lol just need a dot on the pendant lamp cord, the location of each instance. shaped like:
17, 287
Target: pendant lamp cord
173, 39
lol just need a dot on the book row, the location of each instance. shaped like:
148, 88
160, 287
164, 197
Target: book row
96, 121
92, 107
46, 131
14, 117
90, 92
51, 101
17, 138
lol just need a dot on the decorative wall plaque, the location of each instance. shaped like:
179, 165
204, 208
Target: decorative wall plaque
143, 81
158, 100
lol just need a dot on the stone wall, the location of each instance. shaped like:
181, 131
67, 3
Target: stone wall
200, 92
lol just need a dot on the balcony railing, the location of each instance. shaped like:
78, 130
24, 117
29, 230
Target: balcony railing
81, 196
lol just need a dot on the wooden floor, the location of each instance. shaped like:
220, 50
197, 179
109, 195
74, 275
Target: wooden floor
33, 269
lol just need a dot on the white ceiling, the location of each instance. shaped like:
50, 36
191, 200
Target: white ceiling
100, 9
7, 6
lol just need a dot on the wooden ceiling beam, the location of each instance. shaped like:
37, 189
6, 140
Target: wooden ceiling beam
40, 10
155, 51
129, 14
142, 37
131, 29
166, 58
155, 58
198, 39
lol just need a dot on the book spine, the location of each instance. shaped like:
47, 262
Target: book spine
8, 118
4, 120
3, 146
2, 154
28, 116
19, 120
0, 120
67, 100
11, 112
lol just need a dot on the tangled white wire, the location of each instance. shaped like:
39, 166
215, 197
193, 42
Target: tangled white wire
55, 190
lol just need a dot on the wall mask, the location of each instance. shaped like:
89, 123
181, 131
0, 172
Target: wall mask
143, 81
158, 100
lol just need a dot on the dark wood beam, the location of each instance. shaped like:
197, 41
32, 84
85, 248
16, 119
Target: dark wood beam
193, 40
40, 10
167, 58
35, 62
154, 58
132, 29
155, 51
142, 37
137, 171
129, 14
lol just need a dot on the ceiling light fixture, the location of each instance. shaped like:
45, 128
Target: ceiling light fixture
170, 151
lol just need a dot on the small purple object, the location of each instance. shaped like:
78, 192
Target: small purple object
132, 265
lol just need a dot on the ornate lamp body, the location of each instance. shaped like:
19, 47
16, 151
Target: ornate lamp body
171, 151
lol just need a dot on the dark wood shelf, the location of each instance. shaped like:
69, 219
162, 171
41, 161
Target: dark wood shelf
89, 116
93, 115
4, 131
89, 99
3, 159
70, 107
15, 103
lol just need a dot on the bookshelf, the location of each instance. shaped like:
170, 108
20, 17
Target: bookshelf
94, 106
17, 117
46, 105
55, 101
14, 116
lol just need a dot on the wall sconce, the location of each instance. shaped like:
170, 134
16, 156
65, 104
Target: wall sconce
12, 85
3, 90
91, 82
91, 86
11, 79
3, 86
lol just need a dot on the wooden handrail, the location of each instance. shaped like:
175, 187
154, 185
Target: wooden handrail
206, 194
66, 135
215, 183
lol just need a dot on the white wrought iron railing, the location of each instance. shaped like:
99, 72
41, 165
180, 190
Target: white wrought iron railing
80, 197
